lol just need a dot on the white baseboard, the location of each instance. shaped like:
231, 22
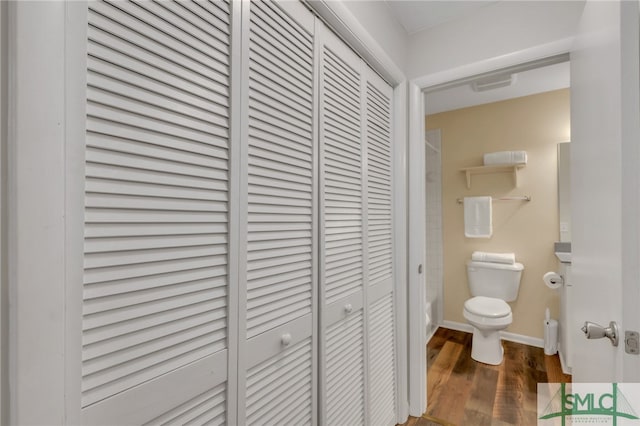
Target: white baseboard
459, 326
504, 335
431, 333
521, 338
565, 368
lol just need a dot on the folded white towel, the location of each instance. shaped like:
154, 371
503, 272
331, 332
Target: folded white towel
481, 256
505, 157
477, 217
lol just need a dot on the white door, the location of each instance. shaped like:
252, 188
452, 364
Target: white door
357, 307
342, 233
278, 225
605, 183
156, 265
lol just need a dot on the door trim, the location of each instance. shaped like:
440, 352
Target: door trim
36, 222
417, 240
4, 66
630, 181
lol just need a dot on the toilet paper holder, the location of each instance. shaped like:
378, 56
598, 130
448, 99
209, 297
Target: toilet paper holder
553, 280
559, 280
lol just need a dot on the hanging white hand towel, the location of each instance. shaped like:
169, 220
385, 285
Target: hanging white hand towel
505, 157
477, 217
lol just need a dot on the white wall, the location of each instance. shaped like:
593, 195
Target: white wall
499, 29
377, 19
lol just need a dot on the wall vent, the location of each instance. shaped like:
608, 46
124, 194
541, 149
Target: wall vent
493, 82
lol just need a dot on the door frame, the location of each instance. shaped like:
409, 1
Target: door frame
631, 182
417, 214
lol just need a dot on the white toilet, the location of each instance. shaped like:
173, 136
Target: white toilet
492, 285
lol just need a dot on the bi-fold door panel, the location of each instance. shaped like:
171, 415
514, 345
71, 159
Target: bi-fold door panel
381, 329
277, 384
342, 228
156, 267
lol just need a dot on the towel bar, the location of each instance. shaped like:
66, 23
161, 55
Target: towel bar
523, 198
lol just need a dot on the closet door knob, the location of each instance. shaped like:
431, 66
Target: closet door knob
348, 308
286, 339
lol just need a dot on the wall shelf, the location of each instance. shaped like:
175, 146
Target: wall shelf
511, 168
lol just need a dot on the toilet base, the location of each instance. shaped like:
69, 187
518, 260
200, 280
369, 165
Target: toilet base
486, 347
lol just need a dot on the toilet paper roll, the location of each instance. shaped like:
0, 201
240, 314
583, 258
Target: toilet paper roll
552, 280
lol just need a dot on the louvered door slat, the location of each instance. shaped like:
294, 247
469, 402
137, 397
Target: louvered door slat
129, 37
108, 46
123, 66
102, 289
136, 148
279, 50
148, 166
122, 82
142, 296
178, 128
215, 13
172, 115
156, 208
298, 38
205, 34
140, 20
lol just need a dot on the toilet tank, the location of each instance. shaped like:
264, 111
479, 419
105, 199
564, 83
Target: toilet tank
497, 280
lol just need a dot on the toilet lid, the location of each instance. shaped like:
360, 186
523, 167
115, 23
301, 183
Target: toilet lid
487, 307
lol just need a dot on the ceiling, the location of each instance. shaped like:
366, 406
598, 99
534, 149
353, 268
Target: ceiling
419, 15
416, 15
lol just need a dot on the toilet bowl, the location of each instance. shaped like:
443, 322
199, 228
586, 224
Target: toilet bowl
492, 285
488, 316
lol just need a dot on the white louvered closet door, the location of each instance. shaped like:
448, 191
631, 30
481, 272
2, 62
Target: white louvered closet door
155, 326
342, 231
278, 379
356, 283
380, 319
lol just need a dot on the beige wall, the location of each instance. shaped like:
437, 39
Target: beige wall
536, 124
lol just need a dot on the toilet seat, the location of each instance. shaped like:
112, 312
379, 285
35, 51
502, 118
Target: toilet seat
488, 307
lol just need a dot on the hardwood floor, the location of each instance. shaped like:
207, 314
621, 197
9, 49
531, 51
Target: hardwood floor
464, 392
